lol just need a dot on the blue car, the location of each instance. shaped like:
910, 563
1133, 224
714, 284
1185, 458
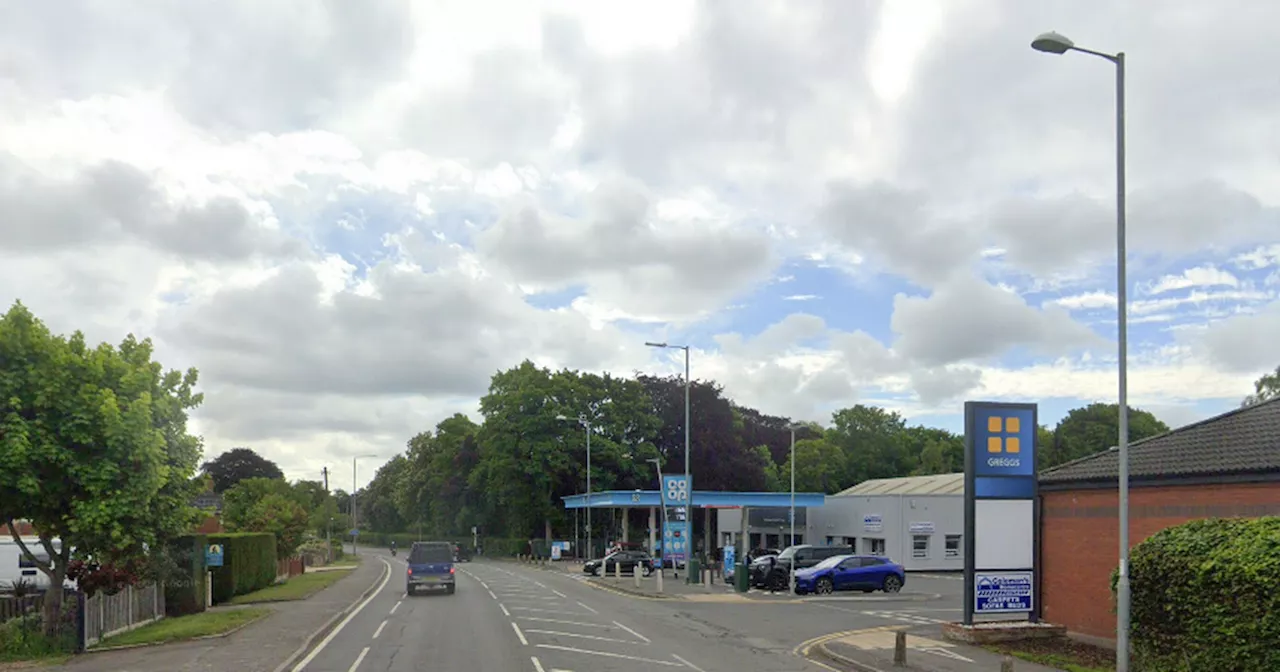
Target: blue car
851, 572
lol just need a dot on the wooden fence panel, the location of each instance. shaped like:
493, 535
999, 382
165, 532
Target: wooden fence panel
134, 606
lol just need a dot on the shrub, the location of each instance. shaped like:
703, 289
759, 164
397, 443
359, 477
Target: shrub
1205, 596
185, 588
248, 564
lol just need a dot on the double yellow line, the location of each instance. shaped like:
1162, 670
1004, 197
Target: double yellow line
804, 648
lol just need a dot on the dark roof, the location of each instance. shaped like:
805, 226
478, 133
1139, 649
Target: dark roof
1243, 441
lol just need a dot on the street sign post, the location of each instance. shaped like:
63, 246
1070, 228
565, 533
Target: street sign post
213, 555
1001, 510
676, 539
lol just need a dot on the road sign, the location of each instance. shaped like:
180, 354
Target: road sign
1003, 593
213, 555
355, 532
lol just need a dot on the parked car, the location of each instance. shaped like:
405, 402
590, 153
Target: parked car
430, 567
625, 561
851, 572
775, 576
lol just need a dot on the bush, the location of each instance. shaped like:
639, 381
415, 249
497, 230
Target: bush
185, 589
248, 564
1206, 596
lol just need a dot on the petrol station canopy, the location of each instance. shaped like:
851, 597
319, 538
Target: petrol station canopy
613, 499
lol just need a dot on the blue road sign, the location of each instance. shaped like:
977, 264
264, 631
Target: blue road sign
213, 555
1003, 592
1004, 441
355, 532
730, 554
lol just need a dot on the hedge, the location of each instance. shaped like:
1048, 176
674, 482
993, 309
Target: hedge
492, 546
248, 564
1206, 597
185, 590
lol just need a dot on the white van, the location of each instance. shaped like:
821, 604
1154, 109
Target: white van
13, 566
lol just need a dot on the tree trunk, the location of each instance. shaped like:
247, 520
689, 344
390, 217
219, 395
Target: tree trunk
53, 599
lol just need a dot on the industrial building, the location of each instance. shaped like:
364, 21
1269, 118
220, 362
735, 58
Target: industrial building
917, 521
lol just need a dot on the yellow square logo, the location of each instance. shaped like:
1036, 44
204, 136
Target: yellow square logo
1004, 426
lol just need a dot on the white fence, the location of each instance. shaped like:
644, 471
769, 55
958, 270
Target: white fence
132, 607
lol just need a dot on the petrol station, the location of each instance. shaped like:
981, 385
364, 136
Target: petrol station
676, 527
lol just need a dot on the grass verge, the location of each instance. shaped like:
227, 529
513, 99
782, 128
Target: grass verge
1063, 654
205, 624
346, 561
298, 588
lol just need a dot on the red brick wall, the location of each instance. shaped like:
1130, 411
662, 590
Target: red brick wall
1080, 540
210, 525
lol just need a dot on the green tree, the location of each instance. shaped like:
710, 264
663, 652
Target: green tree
94, 449
267, 505
236, 465
820, 465
1093, 429
874, 442
1265, 388
376, 506
773, 479
937, 451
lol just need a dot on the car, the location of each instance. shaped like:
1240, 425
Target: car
462, 553
625, 561
851, 572
774, 576
430, 567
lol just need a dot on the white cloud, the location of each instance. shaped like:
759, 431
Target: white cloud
1198, 276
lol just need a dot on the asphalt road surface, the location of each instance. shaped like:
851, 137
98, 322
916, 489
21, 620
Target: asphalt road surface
507, 617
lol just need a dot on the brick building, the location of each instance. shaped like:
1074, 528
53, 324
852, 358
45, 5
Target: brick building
1226, 466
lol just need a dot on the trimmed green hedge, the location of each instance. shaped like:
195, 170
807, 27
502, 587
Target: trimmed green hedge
1206, 596
184, 591
248, 564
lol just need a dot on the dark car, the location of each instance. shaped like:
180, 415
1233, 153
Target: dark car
430, 567
625, 561
851, 572
775, 576
461, 553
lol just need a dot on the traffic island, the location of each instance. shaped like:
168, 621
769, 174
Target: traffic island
997, 632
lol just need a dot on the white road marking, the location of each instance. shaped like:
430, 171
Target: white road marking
519, 634
404, 594
549, 611
504, 610
359, 659
559, 593
557, 633
687, 663
379, 630
564, 622
609, 654
536, 665
397, 606
587, 608
492, 595
638, 635
302, 665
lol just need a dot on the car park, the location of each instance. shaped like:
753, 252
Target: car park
865, 573
774, 575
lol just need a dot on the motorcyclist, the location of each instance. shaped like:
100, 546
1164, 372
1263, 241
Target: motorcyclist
393, 547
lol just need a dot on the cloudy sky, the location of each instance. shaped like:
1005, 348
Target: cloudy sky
348, 215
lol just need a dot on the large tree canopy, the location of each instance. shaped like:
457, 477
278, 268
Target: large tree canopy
1264, 389
94, 449
239, 464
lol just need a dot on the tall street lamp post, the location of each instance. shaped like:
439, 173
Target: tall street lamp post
355, 527
586, 425
1053, 43
689, 501
792, 566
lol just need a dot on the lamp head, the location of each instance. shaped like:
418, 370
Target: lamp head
1052, 43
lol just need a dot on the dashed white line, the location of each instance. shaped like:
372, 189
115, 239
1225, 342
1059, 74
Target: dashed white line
492, 595
588, 608
397, 606
536, 665
559, 593
564, 622
503, 607
379, 630
687, 663
359, 659
519, 634
609, 654
557, 633
302, 664
638, 635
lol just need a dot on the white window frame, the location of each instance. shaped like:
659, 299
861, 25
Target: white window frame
959, 539
920, 546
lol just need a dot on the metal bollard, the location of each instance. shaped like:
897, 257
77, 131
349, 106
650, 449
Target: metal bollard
661, 572
617, 571
1006, 664
635, 574
900, 649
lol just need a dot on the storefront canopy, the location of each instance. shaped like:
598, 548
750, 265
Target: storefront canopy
611, 499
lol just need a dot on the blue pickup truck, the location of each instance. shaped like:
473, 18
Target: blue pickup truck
430, 567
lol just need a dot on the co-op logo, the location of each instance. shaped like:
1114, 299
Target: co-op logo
1003, 440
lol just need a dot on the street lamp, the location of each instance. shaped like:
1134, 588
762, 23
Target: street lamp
1053, 43
586, 424
355, 528
662, 557
792, 565
688, 502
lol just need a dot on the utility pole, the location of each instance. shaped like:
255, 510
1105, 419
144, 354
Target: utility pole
328, 528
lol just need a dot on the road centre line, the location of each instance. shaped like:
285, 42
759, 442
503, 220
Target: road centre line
504, 610
557, 633
359, 659
379, 630
492, 595
519, 634
302, 665
646, 639
564, 622
397, 606
609, 654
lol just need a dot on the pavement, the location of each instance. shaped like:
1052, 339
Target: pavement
507, 617
259, 647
